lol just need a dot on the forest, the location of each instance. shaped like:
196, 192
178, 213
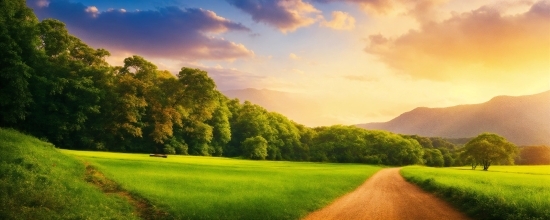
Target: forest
57, 88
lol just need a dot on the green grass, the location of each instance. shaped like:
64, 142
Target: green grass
503, 192
39, 182
221, 188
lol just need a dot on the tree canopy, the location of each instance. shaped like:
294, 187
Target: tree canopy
488, 148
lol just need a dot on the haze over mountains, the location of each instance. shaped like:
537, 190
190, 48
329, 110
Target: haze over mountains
300, 109
523, 120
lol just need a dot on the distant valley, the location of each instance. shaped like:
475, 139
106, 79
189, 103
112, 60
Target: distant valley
523, 120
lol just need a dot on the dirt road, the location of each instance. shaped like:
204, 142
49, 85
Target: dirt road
386, 195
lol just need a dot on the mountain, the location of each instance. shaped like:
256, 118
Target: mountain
523, 120
294, 106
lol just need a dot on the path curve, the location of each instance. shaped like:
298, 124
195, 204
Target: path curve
386, 195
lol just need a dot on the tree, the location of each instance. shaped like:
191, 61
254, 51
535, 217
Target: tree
255, 148
487, 149
433, 158
220, 124
18, 43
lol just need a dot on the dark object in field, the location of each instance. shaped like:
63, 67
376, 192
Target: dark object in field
158, 155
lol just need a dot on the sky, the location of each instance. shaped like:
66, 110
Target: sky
360, 60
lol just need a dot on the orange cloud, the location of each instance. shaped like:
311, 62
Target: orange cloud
480, 43
340, 21
418, 8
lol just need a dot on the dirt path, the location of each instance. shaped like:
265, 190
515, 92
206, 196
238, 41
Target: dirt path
142, 208
386, 195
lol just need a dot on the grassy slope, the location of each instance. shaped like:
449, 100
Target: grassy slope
503, 192
38, 182
222, 188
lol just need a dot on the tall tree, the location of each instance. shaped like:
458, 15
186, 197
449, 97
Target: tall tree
221, 126
200, 99
65, 94
18, 43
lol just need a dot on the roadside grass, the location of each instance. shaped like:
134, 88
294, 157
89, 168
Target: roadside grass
39, 182
191, 187
503, 192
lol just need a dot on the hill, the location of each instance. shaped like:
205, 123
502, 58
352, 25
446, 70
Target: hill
523, 120
39, 182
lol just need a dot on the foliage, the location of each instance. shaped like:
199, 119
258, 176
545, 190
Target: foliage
18, 38
488, 148
505, 192
433, 158
255, 148
39, 182
534, 155
191, 187
351, 144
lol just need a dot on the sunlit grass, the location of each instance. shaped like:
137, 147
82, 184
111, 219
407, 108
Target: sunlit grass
221, 188
503, 192
38, 182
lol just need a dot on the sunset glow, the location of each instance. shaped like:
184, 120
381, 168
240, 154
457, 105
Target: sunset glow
358, 60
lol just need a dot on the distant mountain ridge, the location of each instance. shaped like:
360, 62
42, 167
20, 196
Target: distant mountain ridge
523, 120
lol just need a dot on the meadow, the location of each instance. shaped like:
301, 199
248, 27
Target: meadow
38, 182
503, 192
190, 187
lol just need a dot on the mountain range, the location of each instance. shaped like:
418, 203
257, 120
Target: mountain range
523, 120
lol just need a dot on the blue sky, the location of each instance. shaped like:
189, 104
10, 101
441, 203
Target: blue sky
363, 60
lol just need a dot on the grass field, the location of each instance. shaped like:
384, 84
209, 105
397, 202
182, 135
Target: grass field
221, 188
39, 182
503, 192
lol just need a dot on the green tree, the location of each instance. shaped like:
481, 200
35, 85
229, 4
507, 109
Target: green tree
393, 149
488, 148
18, 43
221, 126
433, 158
200, 101
340, 143
65, 93
249, 121
285, 142
255, 148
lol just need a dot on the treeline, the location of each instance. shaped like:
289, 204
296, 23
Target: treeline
55, 87
533, 155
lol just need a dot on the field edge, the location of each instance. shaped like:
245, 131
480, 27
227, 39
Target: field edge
475, 205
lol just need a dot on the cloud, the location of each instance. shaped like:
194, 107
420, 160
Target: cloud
294, 56
360, 78
285, 15
378, 6
479, 44
340, 21
422, 10
166, 32
298, 71
42, 3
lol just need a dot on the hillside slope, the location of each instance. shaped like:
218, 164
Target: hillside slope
38, 182
523, 120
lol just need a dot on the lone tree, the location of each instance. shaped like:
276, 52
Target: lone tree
488, 148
